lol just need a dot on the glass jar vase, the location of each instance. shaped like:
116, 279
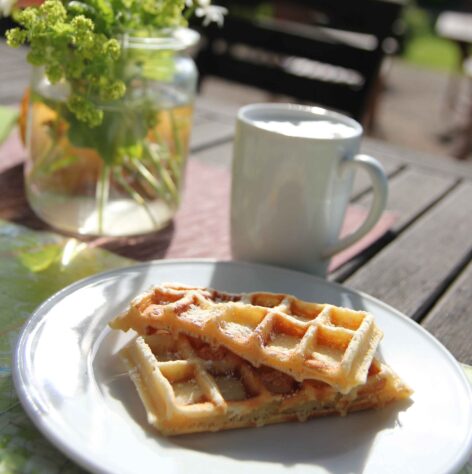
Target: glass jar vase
124, 176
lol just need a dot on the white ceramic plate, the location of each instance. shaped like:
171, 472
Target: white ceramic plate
74, 388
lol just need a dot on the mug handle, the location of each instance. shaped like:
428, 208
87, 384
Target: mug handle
380, 189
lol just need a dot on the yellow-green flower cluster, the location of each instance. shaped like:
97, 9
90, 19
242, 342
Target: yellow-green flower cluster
74, 40
70, 48
149, 14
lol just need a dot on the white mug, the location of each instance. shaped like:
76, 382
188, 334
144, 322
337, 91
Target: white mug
293, 168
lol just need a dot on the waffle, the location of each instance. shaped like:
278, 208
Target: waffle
187, 386
305, 340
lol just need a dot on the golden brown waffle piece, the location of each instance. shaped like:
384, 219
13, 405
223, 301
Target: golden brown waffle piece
186, 387
305, 340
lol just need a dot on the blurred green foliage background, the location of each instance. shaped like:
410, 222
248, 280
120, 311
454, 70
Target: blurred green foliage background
422, 45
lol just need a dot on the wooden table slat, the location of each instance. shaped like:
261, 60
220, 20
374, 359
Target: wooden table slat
409, 273
411, 192
425, 161
450, 319
205, 134
362, 182
216, 109
220, 155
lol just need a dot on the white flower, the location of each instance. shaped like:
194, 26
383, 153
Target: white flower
197, 3
211, 13
6, 7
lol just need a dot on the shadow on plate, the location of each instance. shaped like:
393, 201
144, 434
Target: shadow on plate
338, 444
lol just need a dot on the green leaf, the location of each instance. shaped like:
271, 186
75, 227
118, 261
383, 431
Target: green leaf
121, 132
154, 65
8, 119
59, 164
40, 258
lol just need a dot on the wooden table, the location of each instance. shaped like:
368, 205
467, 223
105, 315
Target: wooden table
422, 266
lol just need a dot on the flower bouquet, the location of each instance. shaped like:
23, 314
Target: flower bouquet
109, 110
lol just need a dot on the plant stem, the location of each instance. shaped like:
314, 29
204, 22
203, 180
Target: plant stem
134, 194
102, 193
148, 177
46, 159
175, 164
163, 173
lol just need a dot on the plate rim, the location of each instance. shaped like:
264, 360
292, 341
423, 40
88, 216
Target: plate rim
40, 312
